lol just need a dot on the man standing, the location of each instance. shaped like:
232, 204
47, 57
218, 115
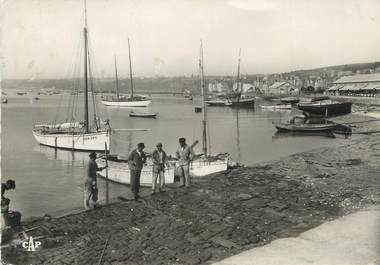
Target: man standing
184, 154
90, 185
9, 185
159, 162
136, 160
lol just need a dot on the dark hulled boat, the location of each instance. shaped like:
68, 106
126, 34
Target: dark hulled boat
323, 106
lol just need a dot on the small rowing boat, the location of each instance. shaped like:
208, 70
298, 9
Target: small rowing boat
277, 106
143, 114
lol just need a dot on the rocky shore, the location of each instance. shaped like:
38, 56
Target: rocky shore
221, 215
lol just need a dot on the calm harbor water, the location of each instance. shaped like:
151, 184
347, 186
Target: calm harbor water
49, 180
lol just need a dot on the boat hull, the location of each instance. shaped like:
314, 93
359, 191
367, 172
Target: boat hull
81, 142
332, 109
305, 128
218, 103
244, 103
143, 115
203, 167
276, 107
118, 171
142, 103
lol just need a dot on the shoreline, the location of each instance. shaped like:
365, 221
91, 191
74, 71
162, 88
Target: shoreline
222, 214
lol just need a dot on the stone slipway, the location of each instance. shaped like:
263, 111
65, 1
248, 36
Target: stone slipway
220, 216
350, 240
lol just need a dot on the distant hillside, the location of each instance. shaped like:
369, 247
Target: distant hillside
354, 68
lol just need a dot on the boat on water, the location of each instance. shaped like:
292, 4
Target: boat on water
4, 100
119, 172
218, 101
301, 123
276, 107
324, 106
238, 98
77, 134
126, 101
143, 114
290, 100
287, 127
206, 164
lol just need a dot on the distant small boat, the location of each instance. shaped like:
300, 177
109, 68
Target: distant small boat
36, 98
290, 100
218, 102
21, 93
4, 100
278, 106
143, 115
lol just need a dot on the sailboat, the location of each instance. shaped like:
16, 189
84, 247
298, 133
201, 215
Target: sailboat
74, 134
237, 98
126, 101
206, 163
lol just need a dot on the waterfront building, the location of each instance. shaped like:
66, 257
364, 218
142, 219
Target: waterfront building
363, 85
283, 88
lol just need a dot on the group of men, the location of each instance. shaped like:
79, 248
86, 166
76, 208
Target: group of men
136, 162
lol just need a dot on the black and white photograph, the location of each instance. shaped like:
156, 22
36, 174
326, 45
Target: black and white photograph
184, 132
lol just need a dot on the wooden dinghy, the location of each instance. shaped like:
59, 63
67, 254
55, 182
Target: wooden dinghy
143, 114
288, 127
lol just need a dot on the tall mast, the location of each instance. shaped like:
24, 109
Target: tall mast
203, 93
238, 81
130, 68
117, 81
85, 70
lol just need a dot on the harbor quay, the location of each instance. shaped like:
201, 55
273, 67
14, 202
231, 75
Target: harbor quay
221, 215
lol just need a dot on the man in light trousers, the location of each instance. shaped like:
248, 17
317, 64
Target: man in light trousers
184, 154
159, 161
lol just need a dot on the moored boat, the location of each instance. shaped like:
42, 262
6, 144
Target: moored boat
126, 101
77, 135
290, 100
143, 115
326, 107
276, 107
4, 100
287, 127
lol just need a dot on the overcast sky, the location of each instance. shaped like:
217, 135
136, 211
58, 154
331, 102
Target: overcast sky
40, 38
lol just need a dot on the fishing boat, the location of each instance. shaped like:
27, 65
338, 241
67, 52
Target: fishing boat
287, 127
143, 115
77, 134
290, 100
218, 101
206, 163
276, 107
237, 98
126, 101
301, 123
119, 172
324, 106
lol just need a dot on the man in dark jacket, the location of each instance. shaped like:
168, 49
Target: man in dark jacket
159, 162
136, 160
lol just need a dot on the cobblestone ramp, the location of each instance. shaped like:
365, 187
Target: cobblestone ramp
221, 215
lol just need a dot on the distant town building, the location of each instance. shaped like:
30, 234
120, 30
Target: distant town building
357, 85
282, 88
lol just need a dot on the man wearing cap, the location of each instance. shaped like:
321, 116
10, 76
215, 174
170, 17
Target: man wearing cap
136, 160
90, 185
9, 185
184, 154
159, 162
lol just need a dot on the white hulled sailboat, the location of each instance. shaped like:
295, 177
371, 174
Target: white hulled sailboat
77, 135
126, 101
